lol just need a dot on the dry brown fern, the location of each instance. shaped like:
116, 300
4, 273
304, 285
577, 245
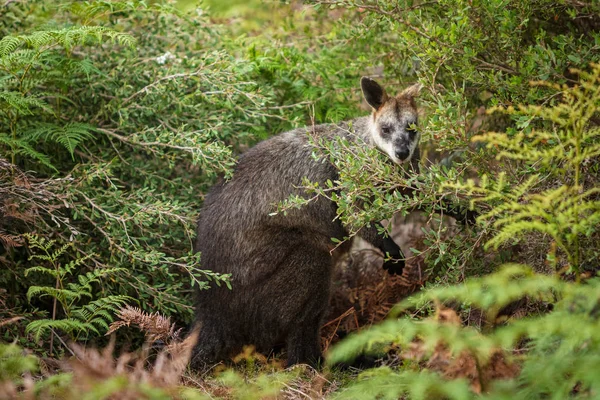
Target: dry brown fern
363, 293
92, 368
9, 240
155, 326
465, 365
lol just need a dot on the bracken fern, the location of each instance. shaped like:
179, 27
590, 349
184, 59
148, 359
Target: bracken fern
28, 79
552, 354
80, 319
563, 141
547, 354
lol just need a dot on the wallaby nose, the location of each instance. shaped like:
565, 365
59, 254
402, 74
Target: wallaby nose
402, 154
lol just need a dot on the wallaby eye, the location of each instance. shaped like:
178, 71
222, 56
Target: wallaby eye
386, 130
411, 128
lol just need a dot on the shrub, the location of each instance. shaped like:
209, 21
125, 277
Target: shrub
119, 154
115, 117
551, 353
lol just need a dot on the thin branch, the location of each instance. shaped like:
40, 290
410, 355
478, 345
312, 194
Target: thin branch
421, 32
146, 88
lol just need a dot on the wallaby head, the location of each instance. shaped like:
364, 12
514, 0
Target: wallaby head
393, 125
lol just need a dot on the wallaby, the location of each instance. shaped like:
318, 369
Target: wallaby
281, 265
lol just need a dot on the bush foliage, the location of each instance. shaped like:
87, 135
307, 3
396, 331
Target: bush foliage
116, 117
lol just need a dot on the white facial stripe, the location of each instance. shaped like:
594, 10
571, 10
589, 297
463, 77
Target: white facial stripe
387, 145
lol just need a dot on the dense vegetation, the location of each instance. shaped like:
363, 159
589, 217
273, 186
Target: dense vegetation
116, 116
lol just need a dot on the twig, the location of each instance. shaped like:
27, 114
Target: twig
9, 321
297, 391
396, 16
339, 319
155, 83
64, 344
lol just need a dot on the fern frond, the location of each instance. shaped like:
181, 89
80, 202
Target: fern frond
403, 332
386, 383
101, 308
78, 262
63, 295
60, 251
492, 292
84, 66
15, 61
155, 326
20, 147
10, 241
9, 44
39, 242
85, 280
21, 103
69, 326
42, 270
67, 38
101, 324
92, 9
69, 135
563, 213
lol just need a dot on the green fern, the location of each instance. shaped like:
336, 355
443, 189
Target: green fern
554, 352
386, 383
69, 135
64, 296
72, 327
558, 203
563, 345
91, 10
81, 319
67, 38
20, 147
20, 103
492, 292
28, 68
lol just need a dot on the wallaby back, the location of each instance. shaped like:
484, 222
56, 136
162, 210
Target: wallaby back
280, 265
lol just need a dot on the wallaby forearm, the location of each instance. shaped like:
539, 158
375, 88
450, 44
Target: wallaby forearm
376, 236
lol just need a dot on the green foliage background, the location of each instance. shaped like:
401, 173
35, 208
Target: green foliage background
116, 117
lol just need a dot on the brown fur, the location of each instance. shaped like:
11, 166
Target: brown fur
280, 266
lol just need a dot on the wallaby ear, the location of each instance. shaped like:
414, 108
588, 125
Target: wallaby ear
412, 91
373, 92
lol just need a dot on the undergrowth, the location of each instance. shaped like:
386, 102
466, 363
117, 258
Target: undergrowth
116, 116
76, 317
550, 354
